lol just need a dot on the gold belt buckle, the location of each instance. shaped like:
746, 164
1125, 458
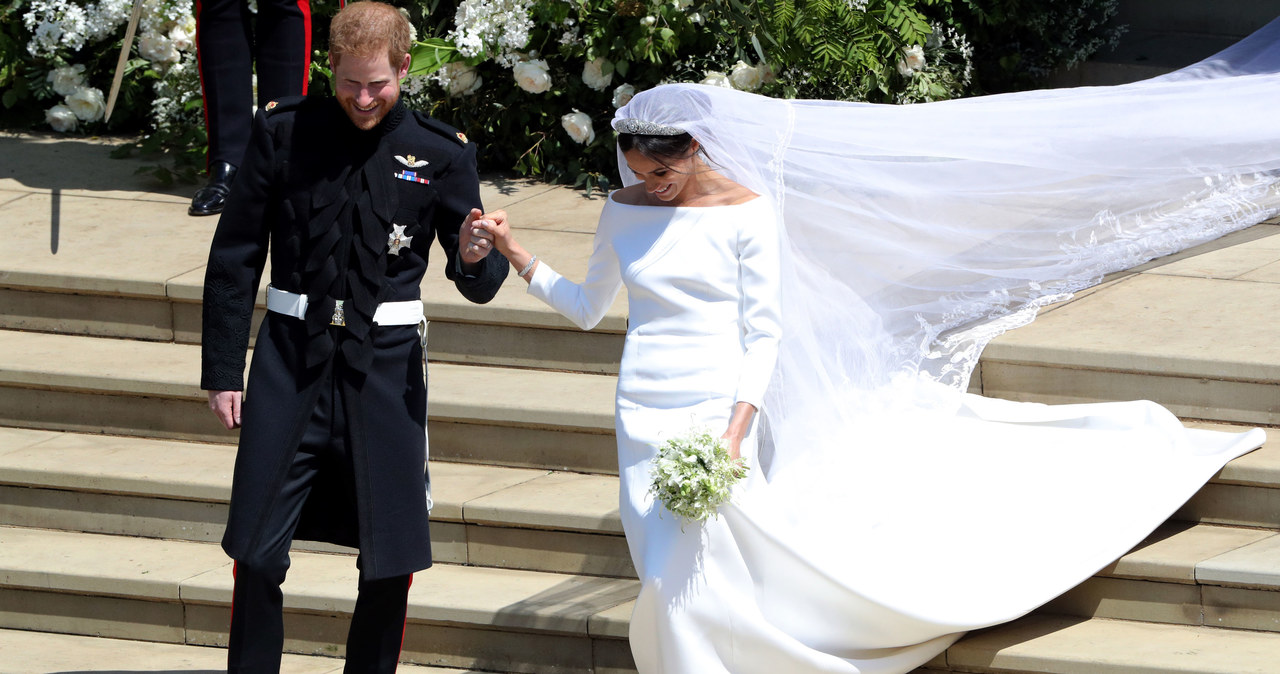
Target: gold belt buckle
339, 318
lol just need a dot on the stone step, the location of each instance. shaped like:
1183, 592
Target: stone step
477, 414
67, 269
26, 652
484, 515
1060, 645
1187, 574
179, 592
1190, 331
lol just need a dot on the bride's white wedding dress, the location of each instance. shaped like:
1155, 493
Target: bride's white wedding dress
886, 511
874, 558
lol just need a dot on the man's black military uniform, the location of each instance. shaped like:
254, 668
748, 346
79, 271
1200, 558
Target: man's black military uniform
333, 438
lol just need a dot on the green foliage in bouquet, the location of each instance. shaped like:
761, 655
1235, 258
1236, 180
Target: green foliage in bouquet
535, 82
693, 474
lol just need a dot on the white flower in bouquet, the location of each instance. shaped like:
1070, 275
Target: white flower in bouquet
533, 76
715, 78
746, 77
60, 118
67, 79
598, 73
912, 61
157, 48
692, 475
623, 95
578, 125
87, 104
460, 79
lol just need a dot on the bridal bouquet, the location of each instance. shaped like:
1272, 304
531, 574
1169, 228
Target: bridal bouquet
692, 475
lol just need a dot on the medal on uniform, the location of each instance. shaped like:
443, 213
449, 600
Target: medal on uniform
411, 176
411, 161
396, 240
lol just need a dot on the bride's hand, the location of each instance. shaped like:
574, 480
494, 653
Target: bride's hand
739, 423
495, 226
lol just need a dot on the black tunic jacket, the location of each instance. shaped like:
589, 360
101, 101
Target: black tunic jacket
329, 200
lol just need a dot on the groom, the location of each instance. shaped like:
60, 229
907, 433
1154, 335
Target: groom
349, 193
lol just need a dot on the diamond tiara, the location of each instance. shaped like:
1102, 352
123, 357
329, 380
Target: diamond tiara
642, 128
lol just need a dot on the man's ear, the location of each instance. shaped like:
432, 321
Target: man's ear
404, 66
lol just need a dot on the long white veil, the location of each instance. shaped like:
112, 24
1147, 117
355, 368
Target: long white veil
912, 235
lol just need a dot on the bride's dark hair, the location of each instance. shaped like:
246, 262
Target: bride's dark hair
661, 149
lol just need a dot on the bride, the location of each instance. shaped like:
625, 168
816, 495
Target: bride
816, 280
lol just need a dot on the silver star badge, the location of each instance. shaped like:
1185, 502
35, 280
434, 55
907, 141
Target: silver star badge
411, 161
396, 240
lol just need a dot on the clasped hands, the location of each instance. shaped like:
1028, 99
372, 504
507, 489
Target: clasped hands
476, 236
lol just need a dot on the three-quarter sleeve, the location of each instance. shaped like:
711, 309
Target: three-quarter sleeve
761, 305
585, 304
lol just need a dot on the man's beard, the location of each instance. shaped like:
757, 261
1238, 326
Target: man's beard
367, 122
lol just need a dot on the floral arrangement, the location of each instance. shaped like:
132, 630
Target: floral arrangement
693, 474
535, 82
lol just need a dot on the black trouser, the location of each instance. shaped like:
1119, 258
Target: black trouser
227, 40
257, 623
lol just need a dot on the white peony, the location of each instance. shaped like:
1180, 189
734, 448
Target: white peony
87, 104
598, 73
182, 39
578, 124
746, 77
533, 76
716, 78
912, 60
462, 79
60, 118
67, 79
623, 94
157, 48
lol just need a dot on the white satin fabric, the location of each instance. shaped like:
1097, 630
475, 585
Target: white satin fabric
887, 512
879, 550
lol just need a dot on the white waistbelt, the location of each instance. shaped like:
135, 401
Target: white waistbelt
389, 313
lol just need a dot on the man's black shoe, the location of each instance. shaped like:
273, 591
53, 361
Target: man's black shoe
213, 196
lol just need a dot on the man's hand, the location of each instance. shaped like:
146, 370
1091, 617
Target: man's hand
474, 243
226, 406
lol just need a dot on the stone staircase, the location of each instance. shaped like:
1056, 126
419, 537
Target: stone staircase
1164, 35
114, 476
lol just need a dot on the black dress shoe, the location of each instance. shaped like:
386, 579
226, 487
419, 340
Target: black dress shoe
213, 196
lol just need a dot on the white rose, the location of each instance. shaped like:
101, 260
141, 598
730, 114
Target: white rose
622, 95
463, 79
87, 104
598, 73
716, 78
578, 124
413, 32
60, 118
912, 60
181, 39
67, 79
532, 76
696, 17
745, 77
648, 21
157, 48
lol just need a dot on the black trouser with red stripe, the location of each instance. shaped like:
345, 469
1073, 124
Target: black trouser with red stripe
228, 38
257, 623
